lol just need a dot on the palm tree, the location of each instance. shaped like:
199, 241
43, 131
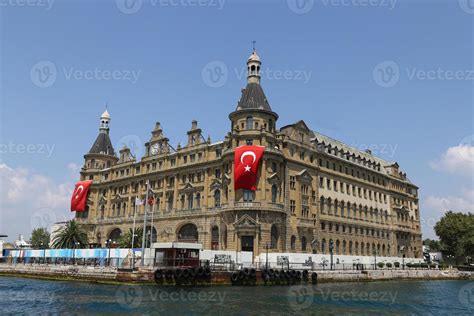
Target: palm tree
70, 236
126, 239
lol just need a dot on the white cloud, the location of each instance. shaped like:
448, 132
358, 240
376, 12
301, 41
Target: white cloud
458, 160
434, 207
29, 200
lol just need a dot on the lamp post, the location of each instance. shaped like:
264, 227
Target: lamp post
266, 258
331, 248
374, 252
144, 223
44, 252
109, 242
403, 262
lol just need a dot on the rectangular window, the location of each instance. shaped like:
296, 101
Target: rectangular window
321, 182
292, 182
292, 206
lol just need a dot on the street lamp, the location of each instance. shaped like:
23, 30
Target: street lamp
374, 252
44, 252
266, 259
403, 262
331, 248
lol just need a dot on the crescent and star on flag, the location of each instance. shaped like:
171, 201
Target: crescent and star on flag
248, 153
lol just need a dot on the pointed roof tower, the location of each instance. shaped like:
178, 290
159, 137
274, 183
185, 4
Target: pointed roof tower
102, 144
253, 96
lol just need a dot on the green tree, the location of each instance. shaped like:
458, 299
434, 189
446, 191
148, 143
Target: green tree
126, 239
456, 233
434, 245
72, 235
40, 238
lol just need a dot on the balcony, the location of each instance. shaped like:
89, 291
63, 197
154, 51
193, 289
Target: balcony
253, 206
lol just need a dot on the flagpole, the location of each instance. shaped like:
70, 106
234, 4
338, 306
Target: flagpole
152, 212
133, 233
144, 225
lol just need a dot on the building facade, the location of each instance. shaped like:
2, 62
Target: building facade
312, 191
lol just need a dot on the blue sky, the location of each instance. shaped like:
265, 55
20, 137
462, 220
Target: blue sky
392, 75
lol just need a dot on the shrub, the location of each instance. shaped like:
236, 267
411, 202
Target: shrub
423, 265
409, 265
396, 264
432, 265
380, 264
389, 264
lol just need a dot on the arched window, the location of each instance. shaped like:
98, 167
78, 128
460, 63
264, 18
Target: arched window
274, 193
362, 250
323, 246
303, 243
321, 204
274, 237
338, 243
217, 198
356, 247
293, 243
249, 123
115, 235
344, 247
215, 238
350, 247
188, 233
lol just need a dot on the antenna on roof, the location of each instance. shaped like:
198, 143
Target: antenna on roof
253, 45
106, 105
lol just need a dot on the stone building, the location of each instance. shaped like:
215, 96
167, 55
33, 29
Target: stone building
312, 190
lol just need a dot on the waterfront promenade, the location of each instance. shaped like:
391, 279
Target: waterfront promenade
146, 274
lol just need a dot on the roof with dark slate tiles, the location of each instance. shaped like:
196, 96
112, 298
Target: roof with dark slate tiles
102, 145
253, 97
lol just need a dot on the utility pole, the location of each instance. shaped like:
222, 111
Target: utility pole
144, 223
331, 248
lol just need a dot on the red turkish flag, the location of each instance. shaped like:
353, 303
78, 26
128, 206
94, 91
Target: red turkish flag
246, 163
79, 196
